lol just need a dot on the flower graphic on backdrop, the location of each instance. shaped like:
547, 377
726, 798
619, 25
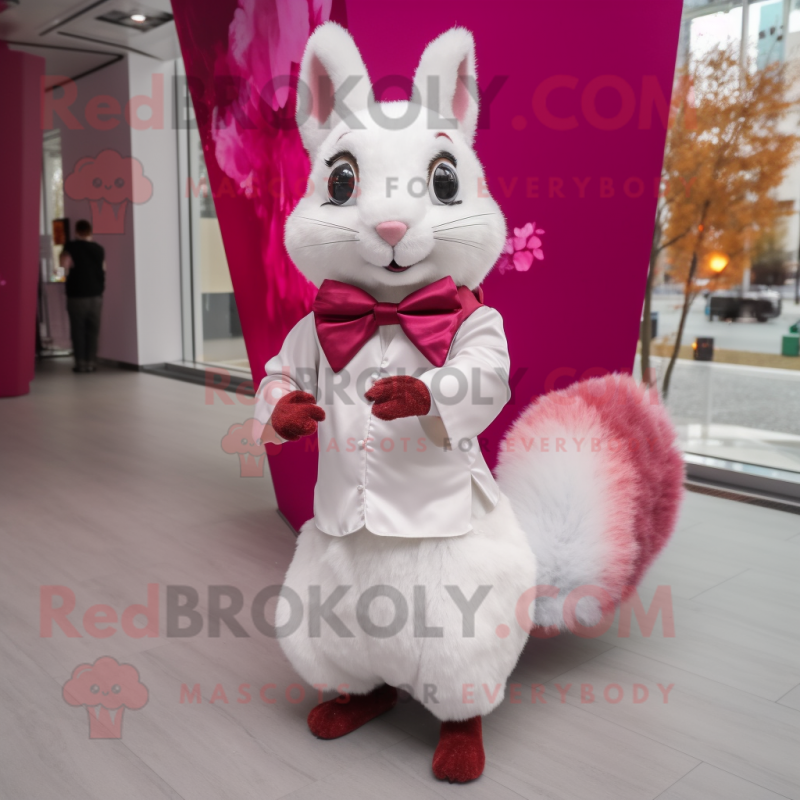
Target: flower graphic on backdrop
106, 688
521, 248
255, 139
241, 440
109, 182
266, 39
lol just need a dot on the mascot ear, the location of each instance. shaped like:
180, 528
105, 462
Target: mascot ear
334, 85
447, 83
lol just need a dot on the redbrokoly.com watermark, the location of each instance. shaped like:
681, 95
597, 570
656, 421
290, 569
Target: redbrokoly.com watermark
225, 606
106, 687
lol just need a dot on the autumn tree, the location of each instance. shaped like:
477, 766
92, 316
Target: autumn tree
726, 155
682, 123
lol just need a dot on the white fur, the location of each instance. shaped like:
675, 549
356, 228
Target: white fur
354, 252
332, 48
495, 554
569, 504
448, 67
561, 504
341, 243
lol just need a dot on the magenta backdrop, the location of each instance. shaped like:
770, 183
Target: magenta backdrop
20, 179
572, 141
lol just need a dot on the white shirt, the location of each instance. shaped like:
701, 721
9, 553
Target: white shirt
415, 476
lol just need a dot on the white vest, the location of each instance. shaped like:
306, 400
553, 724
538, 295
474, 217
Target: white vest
413, 477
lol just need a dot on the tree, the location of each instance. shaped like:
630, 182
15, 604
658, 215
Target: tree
726, 155
682, 122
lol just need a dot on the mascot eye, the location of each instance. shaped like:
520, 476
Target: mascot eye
97, 183
116, 688
95, 688
444, 183
119, 183
342, 184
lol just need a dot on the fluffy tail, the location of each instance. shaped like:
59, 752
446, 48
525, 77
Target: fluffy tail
596, 480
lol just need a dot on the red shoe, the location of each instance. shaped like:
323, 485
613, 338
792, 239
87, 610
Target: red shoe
342, 715
459, 756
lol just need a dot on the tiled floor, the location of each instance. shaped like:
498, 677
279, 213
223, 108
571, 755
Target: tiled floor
114, 481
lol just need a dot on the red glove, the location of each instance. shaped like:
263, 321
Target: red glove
399, 396
296, 414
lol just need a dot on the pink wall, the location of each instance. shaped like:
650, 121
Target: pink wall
20, 179
577, 312
580, 162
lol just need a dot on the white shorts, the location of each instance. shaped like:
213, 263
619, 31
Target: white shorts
456, 670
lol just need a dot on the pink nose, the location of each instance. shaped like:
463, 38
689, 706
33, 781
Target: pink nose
391, 232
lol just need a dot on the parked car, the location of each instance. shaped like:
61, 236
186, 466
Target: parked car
758, 303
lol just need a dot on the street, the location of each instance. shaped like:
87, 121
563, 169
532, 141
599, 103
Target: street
756, 337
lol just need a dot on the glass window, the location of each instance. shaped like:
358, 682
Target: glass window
725, 301
212, 330
53, 198
794, 16
715, 30
765, 32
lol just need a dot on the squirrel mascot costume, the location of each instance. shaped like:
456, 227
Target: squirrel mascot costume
420, 568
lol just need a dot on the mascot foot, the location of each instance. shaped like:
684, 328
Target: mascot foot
459, 755
339, 716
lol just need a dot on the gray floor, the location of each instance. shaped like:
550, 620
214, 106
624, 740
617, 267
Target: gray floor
116, 480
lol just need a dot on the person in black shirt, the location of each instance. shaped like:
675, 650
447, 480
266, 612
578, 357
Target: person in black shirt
85, 262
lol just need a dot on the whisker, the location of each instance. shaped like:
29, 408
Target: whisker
461, 219
469, 225
458, 241
320, 244
329, 224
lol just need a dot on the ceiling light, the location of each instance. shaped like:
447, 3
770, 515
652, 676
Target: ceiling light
139, 18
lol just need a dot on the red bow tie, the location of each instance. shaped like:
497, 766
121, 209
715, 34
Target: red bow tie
347, 316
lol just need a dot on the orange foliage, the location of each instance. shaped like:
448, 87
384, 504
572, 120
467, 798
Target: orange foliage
727, 152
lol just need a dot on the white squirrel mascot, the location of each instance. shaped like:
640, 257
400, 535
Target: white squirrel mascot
418, 569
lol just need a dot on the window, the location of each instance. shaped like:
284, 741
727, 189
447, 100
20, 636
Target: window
52, 200
212, 331
739, 412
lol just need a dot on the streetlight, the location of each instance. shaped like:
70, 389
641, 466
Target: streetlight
717, 262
